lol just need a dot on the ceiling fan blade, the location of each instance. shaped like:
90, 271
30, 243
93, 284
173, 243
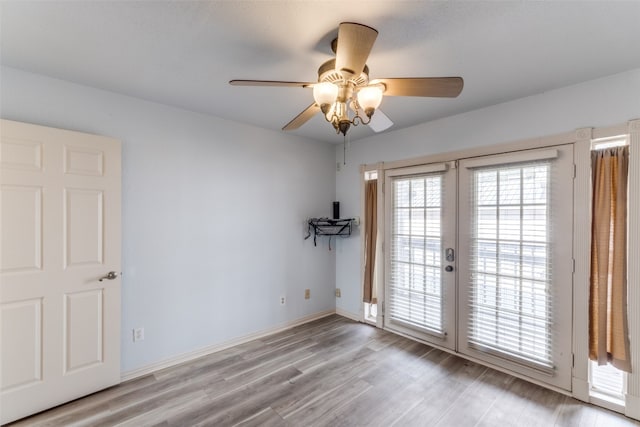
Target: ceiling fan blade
445, 87
302, 118
380, 121
354, 45
269, 83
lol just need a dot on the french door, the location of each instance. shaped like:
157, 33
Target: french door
516, 262
480, 259
420, 229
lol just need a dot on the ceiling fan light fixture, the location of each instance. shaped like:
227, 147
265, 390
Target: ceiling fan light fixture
369, 98
325, 93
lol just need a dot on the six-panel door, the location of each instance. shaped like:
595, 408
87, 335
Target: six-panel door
60, 207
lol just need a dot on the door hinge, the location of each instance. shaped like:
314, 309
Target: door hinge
573, 360
383, 188
574, 265
382, 245
382, 308
575, 170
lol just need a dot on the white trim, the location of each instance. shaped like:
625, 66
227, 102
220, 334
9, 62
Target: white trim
606, 402
185, 357
363, 216
582, 256
414, 170
520, 156
632, 406
534, 143
380, 264
605, 132
580, 388
348, 315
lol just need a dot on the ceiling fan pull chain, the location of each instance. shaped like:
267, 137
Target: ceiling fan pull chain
344, 149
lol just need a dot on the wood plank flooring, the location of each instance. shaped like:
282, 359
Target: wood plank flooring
331, 372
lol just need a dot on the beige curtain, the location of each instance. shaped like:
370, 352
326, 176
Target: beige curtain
608, 325
370, 236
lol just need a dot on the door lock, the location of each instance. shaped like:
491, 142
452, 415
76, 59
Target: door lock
449, 254
448, 268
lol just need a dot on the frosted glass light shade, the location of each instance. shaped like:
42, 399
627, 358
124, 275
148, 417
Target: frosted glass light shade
325, 93
370, 97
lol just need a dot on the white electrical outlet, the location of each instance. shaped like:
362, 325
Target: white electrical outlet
283, 300
138, 334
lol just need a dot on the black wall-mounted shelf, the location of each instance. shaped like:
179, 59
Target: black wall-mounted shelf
328, 227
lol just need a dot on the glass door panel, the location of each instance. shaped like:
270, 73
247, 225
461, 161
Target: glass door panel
420, 228
515, 261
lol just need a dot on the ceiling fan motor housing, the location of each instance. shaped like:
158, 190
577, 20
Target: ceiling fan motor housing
328, 73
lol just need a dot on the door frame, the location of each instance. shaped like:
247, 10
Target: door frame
453, 158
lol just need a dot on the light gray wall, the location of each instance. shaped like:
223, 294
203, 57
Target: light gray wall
603, 102
213, 215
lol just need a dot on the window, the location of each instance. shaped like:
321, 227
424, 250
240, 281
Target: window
510, 297
370, 283
606, 381
515, 266
416, 245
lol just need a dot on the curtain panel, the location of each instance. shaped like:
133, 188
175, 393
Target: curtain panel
608, 324
370, 236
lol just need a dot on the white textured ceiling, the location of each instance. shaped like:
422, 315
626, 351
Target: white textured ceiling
183, 53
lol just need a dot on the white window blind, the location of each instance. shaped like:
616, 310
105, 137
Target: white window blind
416, 250
607, 380
510, 298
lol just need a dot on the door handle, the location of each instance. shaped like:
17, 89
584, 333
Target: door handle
448, 268
110, 276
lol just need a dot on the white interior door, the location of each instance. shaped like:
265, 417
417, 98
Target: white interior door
420, 217
515, 261
60, 325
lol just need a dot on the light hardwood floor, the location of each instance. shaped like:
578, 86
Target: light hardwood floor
331, 372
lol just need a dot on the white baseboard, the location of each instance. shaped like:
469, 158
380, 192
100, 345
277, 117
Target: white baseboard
185, 357
348, 314
632, 406
580, 389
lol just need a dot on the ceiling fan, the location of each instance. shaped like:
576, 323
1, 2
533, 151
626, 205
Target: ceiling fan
343, 84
